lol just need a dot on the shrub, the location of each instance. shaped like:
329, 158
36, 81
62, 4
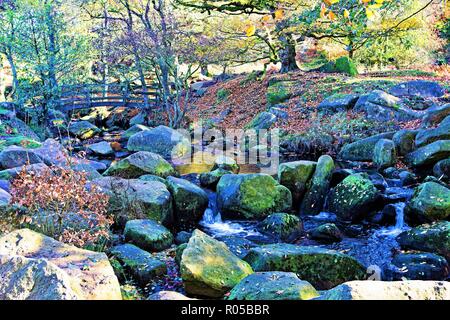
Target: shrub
57, 203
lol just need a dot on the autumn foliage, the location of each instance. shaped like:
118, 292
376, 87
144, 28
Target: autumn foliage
57, 203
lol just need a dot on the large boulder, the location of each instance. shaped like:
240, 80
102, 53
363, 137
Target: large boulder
139, 263
271, 286
39, 267
435, 115
53, 153
442, 132
13, 157
362, 150
326, 233
434, 238
209, 268
429, 155
83, 129
380, 290
295, 176
352, 198
162, 140
318, 188
34, 279
148, 235
381, 106
338, 103
430, 202
251, 196
323, 268
134, 130
418, 88
282, 226
139, 164
102, 148
131, 199
404, 141
189, 199
420, 266
212, 178
441, 169
384, 154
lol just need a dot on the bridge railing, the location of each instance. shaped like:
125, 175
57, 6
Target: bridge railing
87, 96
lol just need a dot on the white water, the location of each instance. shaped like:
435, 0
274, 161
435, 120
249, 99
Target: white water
400, 225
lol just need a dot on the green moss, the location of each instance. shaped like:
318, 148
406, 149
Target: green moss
346, 65
222, 95
19, 141
277, 93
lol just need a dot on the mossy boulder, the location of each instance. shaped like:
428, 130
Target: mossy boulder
209, 269
251, 196
148, 235
226, 163
353, 197
434, 238
341, 65
19, 140
167, 142
277, 93
430, 202
211, 179
141, 163
404, 141
318, 187
273, 286
326, 233
362, 150
323, 268
429, 155
384, 154
420, 266
139, 263
83, 130
442, 132
152, 178
134, 130
137, 199
338, 103
282, 226
418, 88
295, 176
190, 201
263, 121
396, 290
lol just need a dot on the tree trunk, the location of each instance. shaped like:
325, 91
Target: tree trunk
288, 54
12, 64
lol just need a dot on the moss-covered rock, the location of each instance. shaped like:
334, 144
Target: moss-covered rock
404, 141
430, 154
381, 290
295, 176
318, 188
139, 164
152, 178
326, 233
18, 140
211, 179
148, 235
442, 132
226, 163
263, 121
137, 199
384, 154
352, 198
83, 129
134, 130
251, 196
102, 148
323, 268
433, 238
273, 286
441, 170
209, 269
282, 226
277, 92
139, 263
189, 199
430, 202
362, 150
341, 65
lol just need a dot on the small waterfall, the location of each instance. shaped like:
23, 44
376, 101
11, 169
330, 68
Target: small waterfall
400, 225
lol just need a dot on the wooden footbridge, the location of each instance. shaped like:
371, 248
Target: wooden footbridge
87, 96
